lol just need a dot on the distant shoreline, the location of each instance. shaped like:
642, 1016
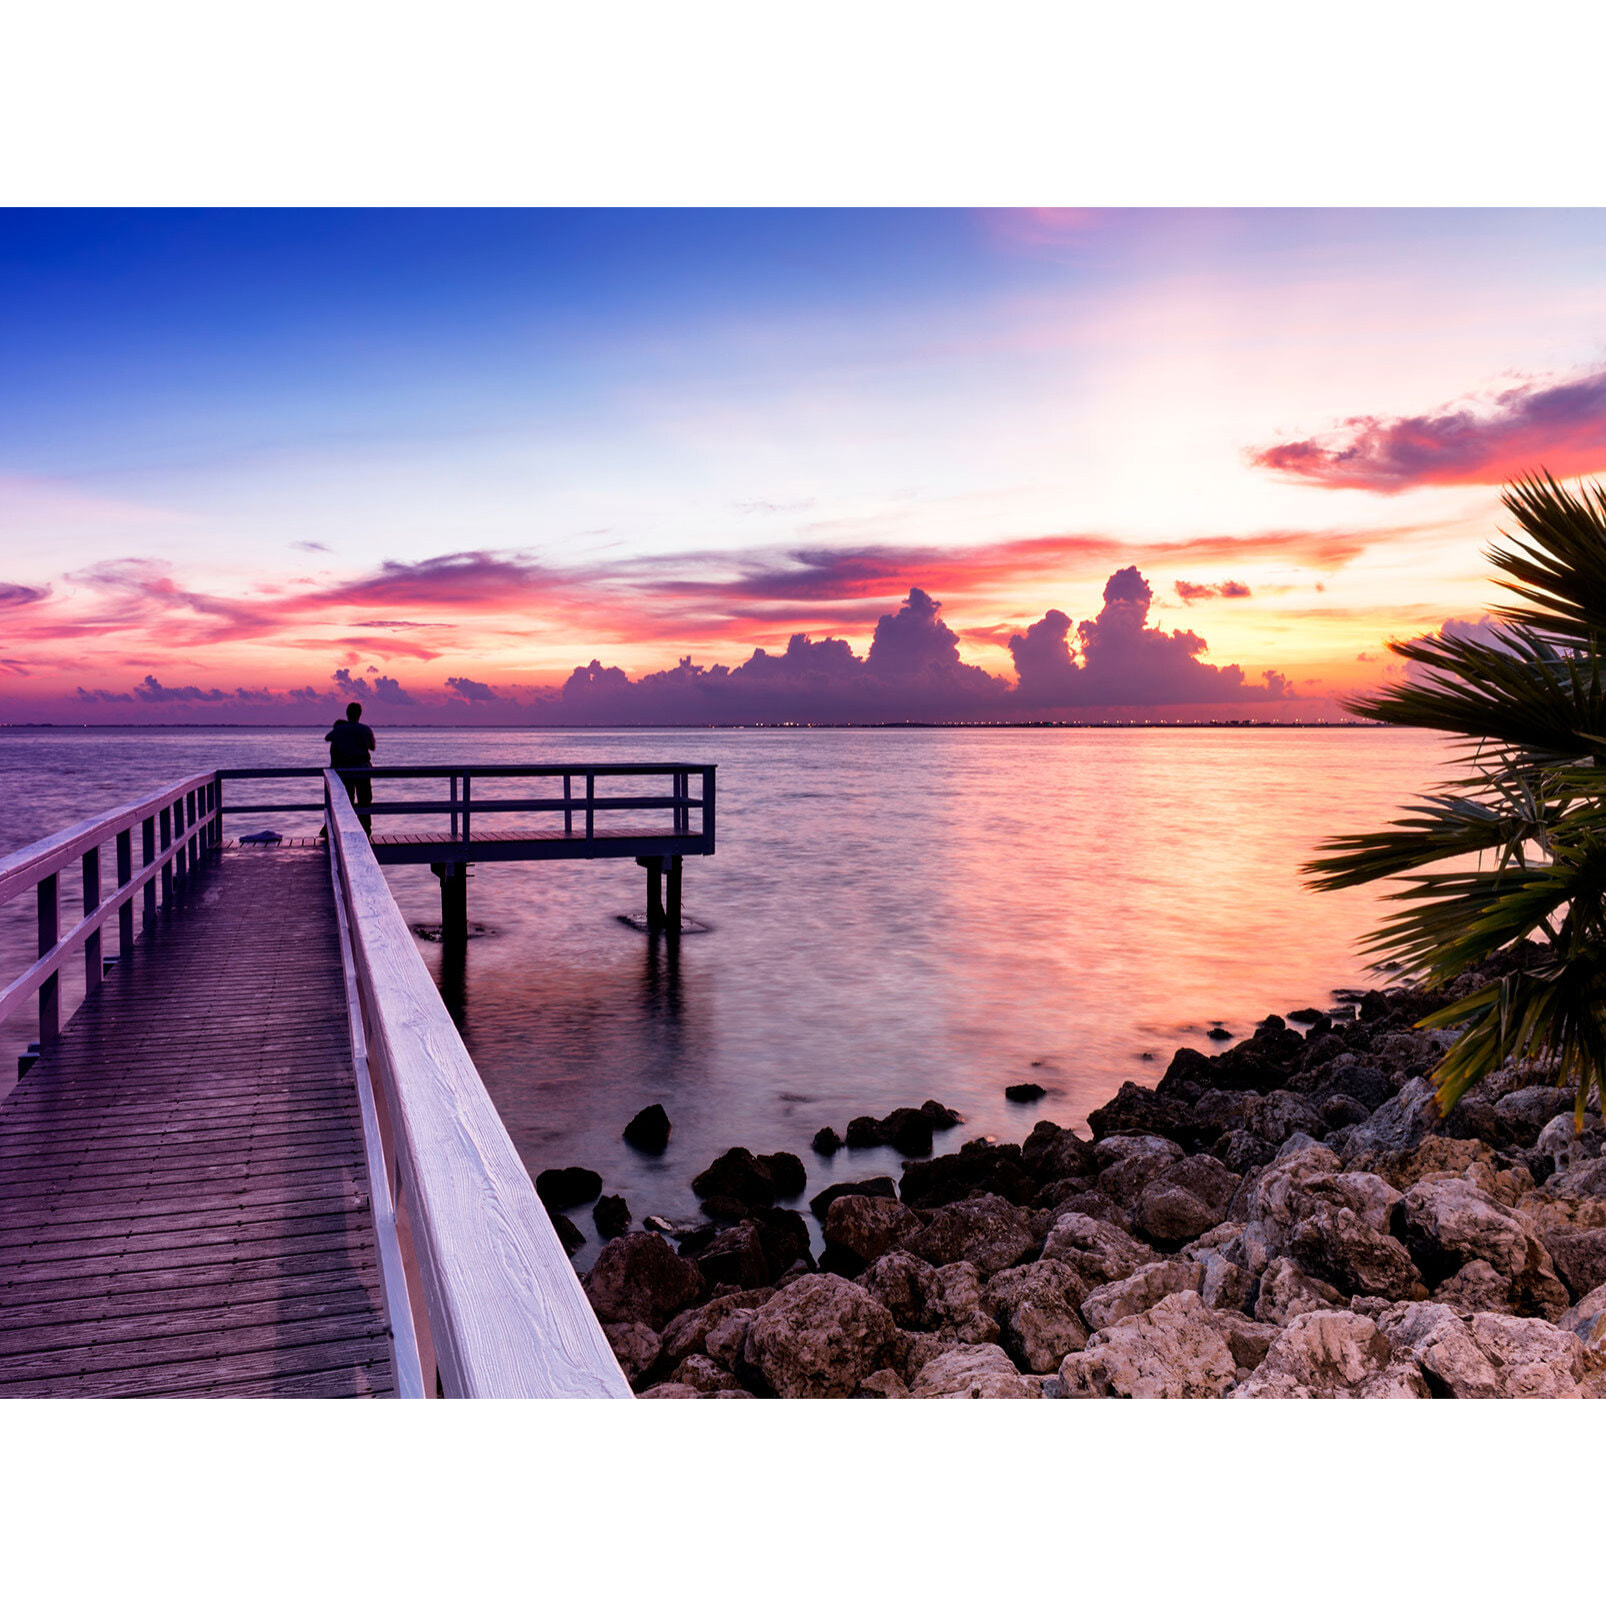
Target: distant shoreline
778, 725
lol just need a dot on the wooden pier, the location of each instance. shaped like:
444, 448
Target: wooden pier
258, 1159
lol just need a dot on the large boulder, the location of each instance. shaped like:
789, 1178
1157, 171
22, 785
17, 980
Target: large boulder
980, 1166
1036, 1308
1588, 1320
959, 1312
987, 1231
818, 1338
1286, 1290
1580, 1259
1184, 1202
1095, 1250
1053, 1154
1176, 1351
1449, 1221
639, 1278
1144, 1110
870, 1188
973, 1372
1334, 1355
907, 1286
865, 1228
688, 1333
635, 1346
1146, 1287
735, 1258
648, 1130
1490, 1355
1336, 1244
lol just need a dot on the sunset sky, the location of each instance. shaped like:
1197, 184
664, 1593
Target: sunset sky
1071, 465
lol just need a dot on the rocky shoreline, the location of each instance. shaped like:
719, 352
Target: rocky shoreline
1288, 1219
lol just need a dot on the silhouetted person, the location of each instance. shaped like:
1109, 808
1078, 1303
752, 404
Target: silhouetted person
350, 743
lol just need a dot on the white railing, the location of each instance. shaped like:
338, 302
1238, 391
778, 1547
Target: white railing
176, 824
495, 1306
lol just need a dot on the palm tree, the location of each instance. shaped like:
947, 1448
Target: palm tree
1520, 834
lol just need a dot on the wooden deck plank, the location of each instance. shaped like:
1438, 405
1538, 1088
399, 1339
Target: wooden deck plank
183, 1189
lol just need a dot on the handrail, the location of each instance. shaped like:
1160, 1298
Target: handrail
461, 807
505, 1314
189, 819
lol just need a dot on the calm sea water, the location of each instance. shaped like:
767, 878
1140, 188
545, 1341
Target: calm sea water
892, 915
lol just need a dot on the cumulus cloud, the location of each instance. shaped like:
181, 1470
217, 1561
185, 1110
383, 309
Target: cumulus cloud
1560, 427
471, 691
1118, 659
913, 672
1191, 593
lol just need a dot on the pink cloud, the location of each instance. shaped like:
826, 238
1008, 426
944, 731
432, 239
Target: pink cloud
1557, 427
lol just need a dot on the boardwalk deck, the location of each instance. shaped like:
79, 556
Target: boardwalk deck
184, 1201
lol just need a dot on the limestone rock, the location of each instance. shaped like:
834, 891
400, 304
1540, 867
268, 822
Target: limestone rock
1449, 1221
1146, 1287
1287, 1291
907, 1286
1175, 1351
1170, 1216
1335, 1243
735, 1257
960, 1312
688, 1333
1095, 1250
1588, 1320
1535, 1360
1477, 1286
635, 1346
1053, 1154
818, 1338
1334, 1355
704, 1374
639, 1278
972, 1372
1035, 1307
870, 1188
1443, 1347
1400, 1123
866, 1228
987, 1231
882, 1385
670, 1391
1580, 1259
728, 1337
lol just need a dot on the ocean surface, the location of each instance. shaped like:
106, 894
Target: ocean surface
891, 916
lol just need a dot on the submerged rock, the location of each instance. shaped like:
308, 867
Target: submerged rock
648, 1130
561, 1188
611, 1214
1024, 1092
825, 1142
871, 1188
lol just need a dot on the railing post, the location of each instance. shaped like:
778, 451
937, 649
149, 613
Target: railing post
591, 797
214, 835
189, 822
453, 780
169, 874
708, 809
50, 987
93, 969
125, 910
147, 849
568, 797
468, 821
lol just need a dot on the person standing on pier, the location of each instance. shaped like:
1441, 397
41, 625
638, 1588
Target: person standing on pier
350, 743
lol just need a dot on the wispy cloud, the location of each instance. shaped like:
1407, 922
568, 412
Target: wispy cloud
1559, 426
1191, 593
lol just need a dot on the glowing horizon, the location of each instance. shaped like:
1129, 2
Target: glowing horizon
250, 460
